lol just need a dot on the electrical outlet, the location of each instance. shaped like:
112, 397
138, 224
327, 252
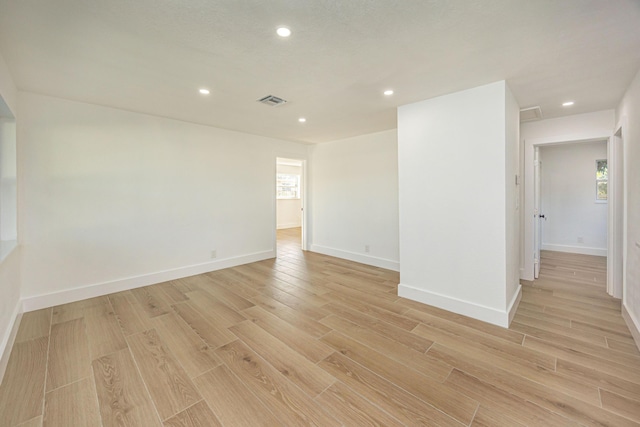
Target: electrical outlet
214, 254
580, 239
366, 248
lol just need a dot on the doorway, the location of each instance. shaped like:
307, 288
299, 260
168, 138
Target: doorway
572, 204
615, 203
290, 202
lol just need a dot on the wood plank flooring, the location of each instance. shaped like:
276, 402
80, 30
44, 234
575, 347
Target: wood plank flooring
308, 339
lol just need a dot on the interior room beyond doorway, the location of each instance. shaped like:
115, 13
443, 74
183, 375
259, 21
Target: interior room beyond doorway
574, 198
289, 203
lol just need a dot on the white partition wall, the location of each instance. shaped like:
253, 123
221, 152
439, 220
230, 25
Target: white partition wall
458, 161
628, 117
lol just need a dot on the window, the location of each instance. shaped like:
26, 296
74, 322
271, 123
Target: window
287, 186
602, 178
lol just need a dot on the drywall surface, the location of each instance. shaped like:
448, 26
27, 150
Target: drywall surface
569, 128
114, 199
594, 126
629, 109
512, 197
354, 193
289, 214
575, 222
453, 227
8, 91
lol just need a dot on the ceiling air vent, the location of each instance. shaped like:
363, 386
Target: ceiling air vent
530, 114
272, 101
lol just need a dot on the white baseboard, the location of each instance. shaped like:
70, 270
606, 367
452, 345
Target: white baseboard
525, 276
353, 256
76, 294
514, 303
466, 308
633, 324
288, 225
575, 249
9, 338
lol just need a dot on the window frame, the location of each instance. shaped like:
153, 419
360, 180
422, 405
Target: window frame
605, 180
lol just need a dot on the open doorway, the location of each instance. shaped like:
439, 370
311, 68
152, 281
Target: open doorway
290, 198
572, 211
613, 206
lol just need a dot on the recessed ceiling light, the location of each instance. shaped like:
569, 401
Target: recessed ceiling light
302, 120
388, 92
567, 104
204, 91
283, 32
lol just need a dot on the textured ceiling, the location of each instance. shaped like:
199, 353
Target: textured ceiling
151, 56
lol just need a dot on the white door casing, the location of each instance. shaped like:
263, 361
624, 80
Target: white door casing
537, 237
528, 227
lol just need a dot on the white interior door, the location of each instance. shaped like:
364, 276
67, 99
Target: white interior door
537, 232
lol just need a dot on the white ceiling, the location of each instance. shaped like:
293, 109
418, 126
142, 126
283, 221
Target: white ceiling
152, 56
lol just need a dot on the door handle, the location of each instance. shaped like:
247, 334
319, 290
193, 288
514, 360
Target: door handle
542, 216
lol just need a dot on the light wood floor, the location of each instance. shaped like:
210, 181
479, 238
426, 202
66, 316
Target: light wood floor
307, 339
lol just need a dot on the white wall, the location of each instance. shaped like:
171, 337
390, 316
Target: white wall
289, 214
113, 199
575, 222
456, 154
594, 126
512, 200
629, 113
578, 127
10, 256
8, 90
354, 192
